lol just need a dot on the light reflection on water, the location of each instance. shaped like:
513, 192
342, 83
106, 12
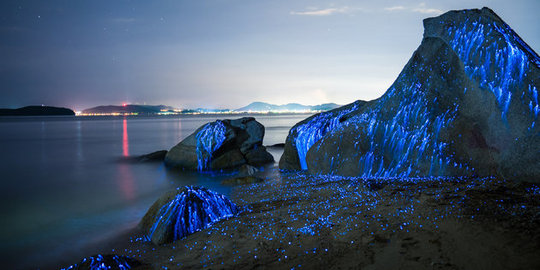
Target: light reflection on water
125, 179
63, 188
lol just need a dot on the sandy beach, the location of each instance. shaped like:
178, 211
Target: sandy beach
307, 222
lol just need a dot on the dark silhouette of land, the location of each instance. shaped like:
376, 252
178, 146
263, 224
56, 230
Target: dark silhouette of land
36, 111
130, 108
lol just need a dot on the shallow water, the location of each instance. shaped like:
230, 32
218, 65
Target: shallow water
63, 188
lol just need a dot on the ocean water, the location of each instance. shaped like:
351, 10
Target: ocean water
65, 189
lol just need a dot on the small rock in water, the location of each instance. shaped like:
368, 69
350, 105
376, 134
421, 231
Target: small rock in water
154, 156
183, 212
242, 180
157, 156
247, 170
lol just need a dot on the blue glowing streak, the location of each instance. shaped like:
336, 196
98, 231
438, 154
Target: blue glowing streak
495, 57
400, 145
406, 136
311, 132
192, 210
98, 262
209, 139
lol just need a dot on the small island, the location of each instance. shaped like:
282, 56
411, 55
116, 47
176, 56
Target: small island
36, 111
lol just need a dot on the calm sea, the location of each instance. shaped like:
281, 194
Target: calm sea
64, 189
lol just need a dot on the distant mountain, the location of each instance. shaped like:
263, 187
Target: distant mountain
255, 107
291, 107
129, 109
36, 111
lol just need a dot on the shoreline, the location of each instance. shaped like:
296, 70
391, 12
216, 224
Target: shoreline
302, 221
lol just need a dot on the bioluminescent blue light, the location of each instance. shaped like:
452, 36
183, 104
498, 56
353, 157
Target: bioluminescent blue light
495, 57
533, 104
192, 210
105, 262
405, 134
312, 131
209, 139
404, 143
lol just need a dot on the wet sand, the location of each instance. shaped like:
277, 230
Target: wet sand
306, 222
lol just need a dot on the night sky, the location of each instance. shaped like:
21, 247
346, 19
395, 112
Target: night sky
217, 54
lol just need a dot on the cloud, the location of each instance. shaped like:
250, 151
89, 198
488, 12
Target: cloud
321, 12
394, 8
421, 8
424, 10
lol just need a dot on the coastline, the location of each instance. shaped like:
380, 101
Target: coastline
319, 222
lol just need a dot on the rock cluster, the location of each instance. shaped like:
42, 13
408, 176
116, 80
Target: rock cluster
223, 144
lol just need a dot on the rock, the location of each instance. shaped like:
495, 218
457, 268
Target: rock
184, 211
242, 180
229, 160
154, 156
466, 104
247, 170
223, 144
258, 156
307, 132
109, 261
157, 156
277, 145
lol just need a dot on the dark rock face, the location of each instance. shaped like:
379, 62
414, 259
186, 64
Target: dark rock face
223, 144
110, 261
183, 212
466, 103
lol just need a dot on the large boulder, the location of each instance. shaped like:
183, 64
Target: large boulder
223, 144
466, 104
307, 132
184, 211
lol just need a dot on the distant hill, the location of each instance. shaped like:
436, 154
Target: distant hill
128, 109
291, 107
36, 111
255, 107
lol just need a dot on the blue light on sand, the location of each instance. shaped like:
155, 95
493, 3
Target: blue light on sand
100, 262
209, 139
193, 210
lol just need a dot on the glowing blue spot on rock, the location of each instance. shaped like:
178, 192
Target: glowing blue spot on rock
498, 65
209, 139
192, 209
312, 131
